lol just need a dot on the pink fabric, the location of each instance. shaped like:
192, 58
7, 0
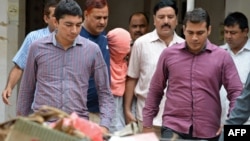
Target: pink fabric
119, 45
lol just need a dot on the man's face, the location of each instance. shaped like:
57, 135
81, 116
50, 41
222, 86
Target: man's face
165, 21
196, 35
234, 36
138, 26
50, 19
68, 28
96, 20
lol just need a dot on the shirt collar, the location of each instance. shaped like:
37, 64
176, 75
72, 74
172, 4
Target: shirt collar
245, 47
75, 43
176, 38
207, 47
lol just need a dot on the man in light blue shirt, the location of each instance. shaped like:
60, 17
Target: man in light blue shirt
21, 56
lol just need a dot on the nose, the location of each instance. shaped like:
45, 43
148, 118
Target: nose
227, 34
194, 37
102, 20
166, 19
74, 29
137, 28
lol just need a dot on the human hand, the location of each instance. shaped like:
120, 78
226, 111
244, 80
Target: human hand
5, 95
219, 130
148, 129
104, 130
129, 117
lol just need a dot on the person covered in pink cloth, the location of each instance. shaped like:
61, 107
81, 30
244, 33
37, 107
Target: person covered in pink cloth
119, 41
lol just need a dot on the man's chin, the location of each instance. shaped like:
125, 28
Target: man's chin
100, 29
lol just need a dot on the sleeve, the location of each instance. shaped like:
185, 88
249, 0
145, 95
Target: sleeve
241, 111
231, 81
27, 87
106, 99
134, 60
21, 56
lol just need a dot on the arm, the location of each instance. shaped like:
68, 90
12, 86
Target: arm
106, 99
14, 77
27, 85
17, 71
231, 81
156, 92
128, 98
241, 111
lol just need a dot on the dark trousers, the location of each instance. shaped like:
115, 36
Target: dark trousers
171, 134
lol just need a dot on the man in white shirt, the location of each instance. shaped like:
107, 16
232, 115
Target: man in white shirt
143, 60
238, 46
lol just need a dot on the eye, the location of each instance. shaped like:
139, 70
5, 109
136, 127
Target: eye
200, 33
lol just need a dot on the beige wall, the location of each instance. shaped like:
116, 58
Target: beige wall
11, 32
3, 50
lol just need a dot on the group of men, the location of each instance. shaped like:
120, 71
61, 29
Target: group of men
176, 83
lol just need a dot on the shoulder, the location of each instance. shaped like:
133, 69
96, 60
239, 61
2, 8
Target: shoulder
177, 38
37, 34
219, 52
224, 46
41, 31
146, 37
213, 47
86, 42
174, 49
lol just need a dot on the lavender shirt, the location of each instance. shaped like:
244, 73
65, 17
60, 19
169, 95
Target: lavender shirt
193, 88
59, 78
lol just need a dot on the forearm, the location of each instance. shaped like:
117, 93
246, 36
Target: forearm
14, 77
105, 97
241, 111
129, 93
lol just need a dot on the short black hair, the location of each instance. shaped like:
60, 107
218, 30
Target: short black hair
139, 13
236, 18
48, 4
67, 7
197, 15
166, 3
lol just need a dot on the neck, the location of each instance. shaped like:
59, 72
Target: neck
236, 49
64, 43
167, 39
93, 33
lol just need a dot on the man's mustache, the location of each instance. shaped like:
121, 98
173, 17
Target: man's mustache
166, 25
138, 33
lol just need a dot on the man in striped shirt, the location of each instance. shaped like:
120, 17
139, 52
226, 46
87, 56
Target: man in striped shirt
59, 67
21, 56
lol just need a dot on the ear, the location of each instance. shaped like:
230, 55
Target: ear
246, 30
177, 21
45, 18
85, 14
209, 30
56, 23
154, 19
183, 29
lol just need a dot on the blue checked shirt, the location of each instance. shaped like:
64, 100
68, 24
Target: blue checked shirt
21, 56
